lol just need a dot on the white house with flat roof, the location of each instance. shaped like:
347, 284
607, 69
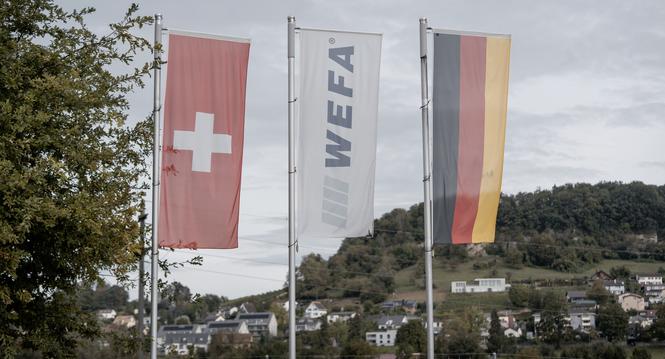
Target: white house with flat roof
480, 285
385, 338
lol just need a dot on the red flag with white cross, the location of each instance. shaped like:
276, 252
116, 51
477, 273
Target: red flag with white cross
204, 117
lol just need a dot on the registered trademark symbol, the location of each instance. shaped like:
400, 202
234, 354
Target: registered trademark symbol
331, 40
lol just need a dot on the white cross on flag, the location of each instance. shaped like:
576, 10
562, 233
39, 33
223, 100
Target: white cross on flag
204, 117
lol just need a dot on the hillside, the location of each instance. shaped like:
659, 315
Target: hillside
560, 234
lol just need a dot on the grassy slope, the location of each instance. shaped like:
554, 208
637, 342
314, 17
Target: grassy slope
443, 276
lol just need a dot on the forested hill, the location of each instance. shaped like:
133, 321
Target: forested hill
546, 228
604, 208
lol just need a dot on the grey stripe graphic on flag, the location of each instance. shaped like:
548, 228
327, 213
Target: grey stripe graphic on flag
335, 201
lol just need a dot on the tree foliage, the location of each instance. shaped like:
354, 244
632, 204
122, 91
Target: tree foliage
612, 321
70, 165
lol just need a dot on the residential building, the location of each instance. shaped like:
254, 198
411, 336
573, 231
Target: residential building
307, 324
514, 332
179, 338
575, 296
615, 287
315, 310
631, 301
260, 324
385, 338
384, 322
409, 306
247, 307
601, 275
480, 285
106, 314
285, 305
343, 317
654, 290
587, 304
646, 279
581, 319
228, 326
127, 321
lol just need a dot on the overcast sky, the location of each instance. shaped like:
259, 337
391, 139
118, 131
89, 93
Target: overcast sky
586, 104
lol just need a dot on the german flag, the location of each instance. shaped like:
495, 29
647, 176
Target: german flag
470, 95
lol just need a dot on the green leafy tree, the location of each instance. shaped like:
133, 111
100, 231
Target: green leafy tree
357, 348
496, 339
599, 293
519, 295
658, 327
553, 327
612, 321
70, 164
313, 277
640, 353
411, 338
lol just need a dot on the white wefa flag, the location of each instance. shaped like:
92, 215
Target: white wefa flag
337, 115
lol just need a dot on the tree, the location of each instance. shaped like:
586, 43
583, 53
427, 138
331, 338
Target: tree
599, 293
496, 340
552, 328
612, 321
519, 295
640, 353
70, 165
357, 348
528, 353
411, 338
658, 327
313, 277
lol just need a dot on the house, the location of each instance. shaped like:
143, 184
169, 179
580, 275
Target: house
480, 285
654, 290
392, 321
631, 301
385, 338
228, 326
581, 319
601, 275
315, 310
437, 324
179, 338
575, 296
587, 304
342, 317
260, 324
106, 314
514, 332
409, 306
127, 321
247, 307
307, 324
285, 305
645, 279
214, 317
615, 287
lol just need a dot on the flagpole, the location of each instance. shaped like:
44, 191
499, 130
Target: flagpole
426, 185
156, 110
291, 29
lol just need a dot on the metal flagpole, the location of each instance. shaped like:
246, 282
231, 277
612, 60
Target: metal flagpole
154, 255
141, 298
291, 29
427, 176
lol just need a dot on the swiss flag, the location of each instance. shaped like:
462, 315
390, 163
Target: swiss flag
204, 117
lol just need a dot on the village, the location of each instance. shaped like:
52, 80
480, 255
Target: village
242, 325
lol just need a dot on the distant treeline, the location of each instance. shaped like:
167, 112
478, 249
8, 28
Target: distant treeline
606, 208
566, 228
